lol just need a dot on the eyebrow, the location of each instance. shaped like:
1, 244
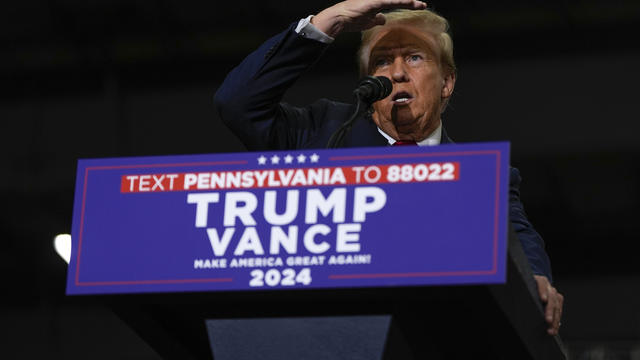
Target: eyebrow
384, 50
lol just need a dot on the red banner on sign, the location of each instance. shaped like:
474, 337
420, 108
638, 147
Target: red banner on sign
300, 177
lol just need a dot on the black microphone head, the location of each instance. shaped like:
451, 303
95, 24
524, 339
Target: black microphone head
387, 87
374, 88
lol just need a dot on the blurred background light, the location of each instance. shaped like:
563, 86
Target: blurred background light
62, 244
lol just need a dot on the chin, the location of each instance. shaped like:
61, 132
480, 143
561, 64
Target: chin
404, 123
404, 117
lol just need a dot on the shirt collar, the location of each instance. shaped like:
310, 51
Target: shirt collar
431, 140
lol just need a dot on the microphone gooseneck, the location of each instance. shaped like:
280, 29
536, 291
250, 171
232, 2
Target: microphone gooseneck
370, 89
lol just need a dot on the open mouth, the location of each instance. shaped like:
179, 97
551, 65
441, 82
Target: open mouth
401, 97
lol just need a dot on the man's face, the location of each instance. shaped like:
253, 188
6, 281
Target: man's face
410, 58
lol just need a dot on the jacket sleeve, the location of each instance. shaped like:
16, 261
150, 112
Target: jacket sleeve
249, 99
532, 243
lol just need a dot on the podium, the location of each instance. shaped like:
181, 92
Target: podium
503, 321
319, 270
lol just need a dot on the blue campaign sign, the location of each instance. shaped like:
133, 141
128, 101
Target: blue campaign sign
366, 217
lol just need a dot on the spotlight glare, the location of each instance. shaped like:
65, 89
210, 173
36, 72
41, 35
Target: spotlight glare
62, 244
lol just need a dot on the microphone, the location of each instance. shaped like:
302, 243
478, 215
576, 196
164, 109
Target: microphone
373, 88
369, 90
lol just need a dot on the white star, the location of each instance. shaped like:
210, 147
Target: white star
262, 160
275, 159
314, 158
301, 158
288, 159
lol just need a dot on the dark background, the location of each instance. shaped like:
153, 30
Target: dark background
107, 78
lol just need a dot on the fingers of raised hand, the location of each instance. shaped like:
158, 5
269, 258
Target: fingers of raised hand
358, 15
403, 4
369, 7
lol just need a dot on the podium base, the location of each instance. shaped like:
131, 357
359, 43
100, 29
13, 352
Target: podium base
313, 338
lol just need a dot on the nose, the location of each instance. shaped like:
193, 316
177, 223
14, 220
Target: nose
399, 71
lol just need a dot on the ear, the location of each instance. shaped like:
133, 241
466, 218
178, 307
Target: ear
448, 83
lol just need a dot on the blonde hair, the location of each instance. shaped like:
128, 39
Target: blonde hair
425, 20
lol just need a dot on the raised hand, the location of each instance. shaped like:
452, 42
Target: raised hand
359, 15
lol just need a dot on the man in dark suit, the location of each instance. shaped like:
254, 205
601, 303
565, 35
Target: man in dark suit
413, 49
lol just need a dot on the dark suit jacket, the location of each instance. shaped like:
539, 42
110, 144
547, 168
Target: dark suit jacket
249, 102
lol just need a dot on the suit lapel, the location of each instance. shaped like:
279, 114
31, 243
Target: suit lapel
364, 133
444, 138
